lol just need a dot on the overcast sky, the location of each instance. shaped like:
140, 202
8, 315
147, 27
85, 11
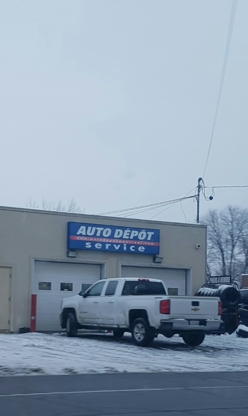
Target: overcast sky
111, 102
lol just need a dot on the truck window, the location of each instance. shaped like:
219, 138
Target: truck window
96, 290
143, 288
111, 288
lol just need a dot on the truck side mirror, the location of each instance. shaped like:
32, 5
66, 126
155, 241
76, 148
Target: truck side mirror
82, 292
85, 295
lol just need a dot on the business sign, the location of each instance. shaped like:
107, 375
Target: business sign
111, 238
220, 280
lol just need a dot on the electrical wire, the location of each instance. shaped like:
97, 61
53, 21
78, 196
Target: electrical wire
194, 196
222, 78
134, 208
228, 186
183, 211
128, 212
224, 186
209, 198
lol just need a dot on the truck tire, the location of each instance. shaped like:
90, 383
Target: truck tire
243, 312
230, 321
229, 295
193, 339
118, 333
71, 325
244, 296
141, 332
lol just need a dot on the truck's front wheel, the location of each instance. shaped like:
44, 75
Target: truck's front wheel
141, 332
71, 325
193, 339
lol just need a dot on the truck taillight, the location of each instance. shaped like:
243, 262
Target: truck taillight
165, 307
219, 308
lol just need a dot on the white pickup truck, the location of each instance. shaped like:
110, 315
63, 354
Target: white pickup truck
141, 306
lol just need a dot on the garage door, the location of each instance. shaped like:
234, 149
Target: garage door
54, 281
174, 279
5, 276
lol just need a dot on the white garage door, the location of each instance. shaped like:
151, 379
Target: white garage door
5, 276
54, 281
174, 279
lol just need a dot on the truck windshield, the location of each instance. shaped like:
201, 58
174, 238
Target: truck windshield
143, 288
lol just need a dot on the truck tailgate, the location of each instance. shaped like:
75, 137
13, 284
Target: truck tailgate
190, 307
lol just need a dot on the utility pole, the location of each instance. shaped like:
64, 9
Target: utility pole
199, 188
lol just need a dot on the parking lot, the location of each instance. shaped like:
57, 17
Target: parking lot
37, 353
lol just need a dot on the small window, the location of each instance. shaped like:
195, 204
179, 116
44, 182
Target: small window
45, 285
111, 288
172, 291
68, 287
85, 286
96, 290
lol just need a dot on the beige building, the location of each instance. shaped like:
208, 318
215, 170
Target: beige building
53, 255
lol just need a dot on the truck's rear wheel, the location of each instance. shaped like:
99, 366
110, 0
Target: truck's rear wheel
193, 339
71, 325
141, 332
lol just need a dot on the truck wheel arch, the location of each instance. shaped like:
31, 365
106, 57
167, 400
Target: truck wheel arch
137, 313
65, 313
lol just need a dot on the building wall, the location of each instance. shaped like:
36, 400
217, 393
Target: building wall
28, 235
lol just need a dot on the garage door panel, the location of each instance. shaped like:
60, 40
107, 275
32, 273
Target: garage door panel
5, 274
49, 279
173, 278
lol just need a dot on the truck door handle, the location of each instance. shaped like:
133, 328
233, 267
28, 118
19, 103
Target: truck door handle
111, 302
95, 302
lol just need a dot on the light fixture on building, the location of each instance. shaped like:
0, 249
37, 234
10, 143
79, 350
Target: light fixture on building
157, 259
71, 253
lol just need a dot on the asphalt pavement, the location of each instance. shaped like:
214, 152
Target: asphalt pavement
131, 394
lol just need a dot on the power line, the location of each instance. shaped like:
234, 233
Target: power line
173, 204
144, 208
222, 78
163, 210
183, 211
204, 187
139, 207
220, 187
227, 186
170, 203
130, 214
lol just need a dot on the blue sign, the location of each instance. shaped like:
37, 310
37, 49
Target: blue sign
97, 237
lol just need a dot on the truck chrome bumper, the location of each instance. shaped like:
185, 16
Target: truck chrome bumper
177, 325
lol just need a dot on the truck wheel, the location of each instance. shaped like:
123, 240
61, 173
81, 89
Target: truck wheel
193, 339
243, 312
118, 333
141, 332
71, 325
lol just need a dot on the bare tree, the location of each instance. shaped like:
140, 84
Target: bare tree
227, 241
71, 206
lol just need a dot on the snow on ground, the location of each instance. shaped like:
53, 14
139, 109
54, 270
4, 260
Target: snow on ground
36, 353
